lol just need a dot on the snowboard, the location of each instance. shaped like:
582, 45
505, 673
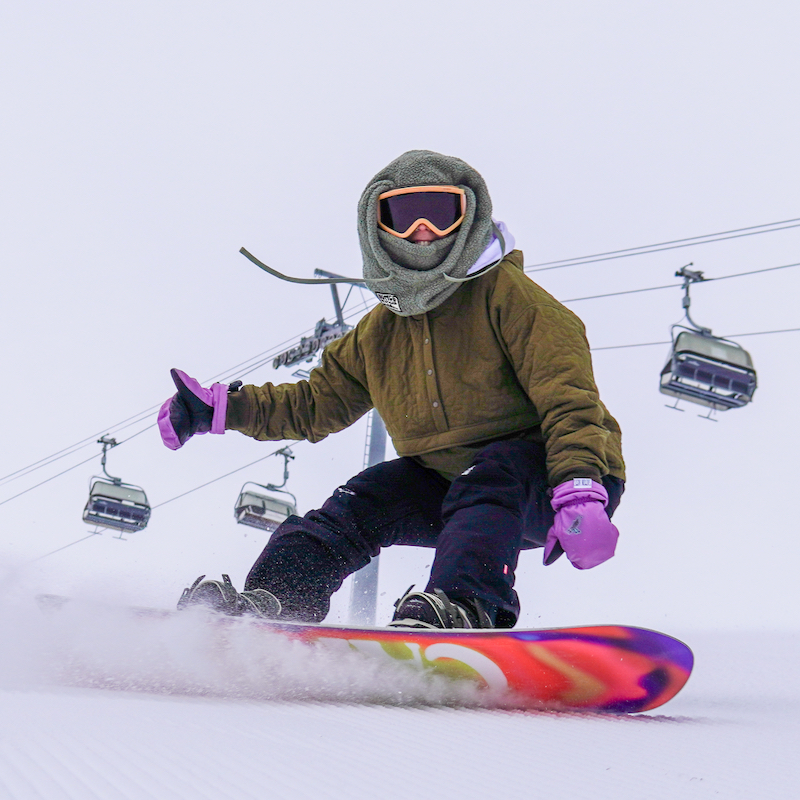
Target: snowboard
600, 668
606, 668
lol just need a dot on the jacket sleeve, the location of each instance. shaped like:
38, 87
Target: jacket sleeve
333, 398
548, 348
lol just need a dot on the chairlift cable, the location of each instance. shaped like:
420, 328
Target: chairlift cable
759, 333
617, 294
126, 423
69, 469
653, 250
47, 480
59, 549
751, 272
268, 355
275, 452
611, 347
769, 225
239, 469
661, 246
626, 346
73, 448
726, 336
227, 474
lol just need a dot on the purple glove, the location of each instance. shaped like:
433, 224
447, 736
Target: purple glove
581, 528
192, 410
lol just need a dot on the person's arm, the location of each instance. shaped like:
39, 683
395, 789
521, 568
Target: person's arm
548, 348
333, 398
552, 359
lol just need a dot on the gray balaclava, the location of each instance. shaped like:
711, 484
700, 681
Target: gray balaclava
409, 278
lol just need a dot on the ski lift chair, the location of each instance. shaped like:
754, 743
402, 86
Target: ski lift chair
116, 505
261, 510
710, 371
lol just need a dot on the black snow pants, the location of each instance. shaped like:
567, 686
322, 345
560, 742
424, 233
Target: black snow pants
478, 524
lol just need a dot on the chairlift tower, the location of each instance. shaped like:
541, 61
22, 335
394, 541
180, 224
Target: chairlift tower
364, 586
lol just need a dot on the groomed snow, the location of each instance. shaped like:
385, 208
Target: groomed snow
275, 720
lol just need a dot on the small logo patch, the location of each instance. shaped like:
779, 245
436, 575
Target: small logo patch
389, 300
575, 528
581, 483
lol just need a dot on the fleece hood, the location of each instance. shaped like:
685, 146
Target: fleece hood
409, 278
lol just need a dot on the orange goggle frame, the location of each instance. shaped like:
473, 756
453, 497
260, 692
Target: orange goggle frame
415, 205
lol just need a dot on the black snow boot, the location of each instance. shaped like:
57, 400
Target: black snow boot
436, 610
221, 596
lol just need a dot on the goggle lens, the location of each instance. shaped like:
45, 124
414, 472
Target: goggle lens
400, 211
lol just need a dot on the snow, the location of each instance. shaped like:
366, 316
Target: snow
275, 719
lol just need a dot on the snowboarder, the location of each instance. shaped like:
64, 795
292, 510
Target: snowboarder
485, 384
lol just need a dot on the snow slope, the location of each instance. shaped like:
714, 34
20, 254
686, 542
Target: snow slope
303, 726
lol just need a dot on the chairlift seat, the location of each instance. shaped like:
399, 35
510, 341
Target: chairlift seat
262, 511
709, 371
120, 506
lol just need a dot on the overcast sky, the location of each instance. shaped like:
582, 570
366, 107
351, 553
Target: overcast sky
144, 144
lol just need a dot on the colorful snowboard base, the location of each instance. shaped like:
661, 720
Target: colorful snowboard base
610, 668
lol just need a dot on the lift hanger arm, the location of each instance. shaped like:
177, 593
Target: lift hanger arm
290, 279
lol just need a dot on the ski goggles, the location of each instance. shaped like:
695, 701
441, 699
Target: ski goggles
441, 208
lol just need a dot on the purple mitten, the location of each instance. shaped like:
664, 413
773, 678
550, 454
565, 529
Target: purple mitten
192, 410
581, 528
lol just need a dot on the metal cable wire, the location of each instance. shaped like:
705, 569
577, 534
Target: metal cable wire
669, 341
263, 458
73, 448
59, 549
214, 480
74, 466
258, 361
47, 480
673, 244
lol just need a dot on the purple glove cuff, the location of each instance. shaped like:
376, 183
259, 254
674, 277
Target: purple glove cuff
578, 490
219, 395
581, 528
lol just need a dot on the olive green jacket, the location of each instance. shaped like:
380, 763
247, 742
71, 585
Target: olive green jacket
500, 358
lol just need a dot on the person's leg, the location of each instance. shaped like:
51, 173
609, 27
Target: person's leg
486, 513
306, 559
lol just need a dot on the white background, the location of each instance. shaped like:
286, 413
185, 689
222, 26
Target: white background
144, 143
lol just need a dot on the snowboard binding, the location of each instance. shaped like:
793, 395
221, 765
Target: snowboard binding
221, 596
436, 610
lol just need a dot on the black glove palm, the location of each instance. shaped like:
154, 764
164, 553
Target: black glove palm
193, 410
188, 414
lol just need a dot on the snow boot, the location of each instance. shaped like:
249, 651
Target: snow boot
221, 596
436, 610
